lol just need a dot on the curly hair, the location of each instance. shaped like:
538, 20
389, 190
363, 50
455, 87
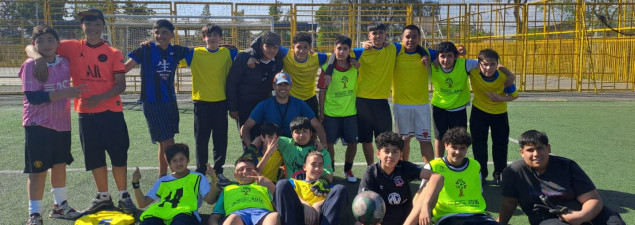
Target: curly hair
389, 138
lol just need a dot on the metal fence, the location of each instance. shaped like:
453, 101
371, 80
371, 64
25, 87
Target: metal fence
550, 46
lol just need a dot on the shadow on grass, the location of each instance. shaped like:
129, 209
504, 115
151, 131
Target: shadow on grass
619, 202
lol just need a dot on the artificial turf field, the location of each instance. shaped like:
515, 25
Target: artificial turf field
599, 135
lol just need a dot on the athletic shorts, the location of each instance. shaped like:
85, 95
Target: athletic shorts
44, 147
341, 127
373, 118
444, 120
251, 216
412, 120
162, 119
313, 104
100, 133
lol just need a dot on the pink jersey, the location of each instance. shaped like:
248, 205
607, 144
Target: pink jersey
53, 115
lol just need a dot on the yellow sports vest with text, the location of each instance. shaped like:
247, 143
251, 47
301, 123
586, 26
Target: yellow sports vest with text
341, 93
303, 189
451, 90
237, 197
481, 87
303, 74
410, 80
461, 191
375, 73
209, 74
175, 197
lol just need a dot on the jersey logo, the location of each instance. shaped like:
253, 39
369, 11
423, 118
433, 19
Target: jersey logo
102, 58
105, 222
38, 164
245, 190
344, 81
163, 69
94, 73
394, 198
460, 184
449, 81
173, 200
426, 134
81, 54
398, 181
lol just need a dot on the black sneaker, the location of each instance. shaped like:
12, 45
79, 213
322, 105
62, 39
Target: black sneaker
497, 179
97, 204
34, 219
126, 205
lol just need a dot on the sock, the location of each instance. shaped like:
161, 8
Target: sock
59, 195
124, 194
35, 206
104, 196
348, 166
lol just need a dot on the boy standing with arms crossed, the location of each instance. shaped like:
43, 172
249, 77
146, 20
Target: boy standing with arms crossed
489, 111
102, 127
47, 125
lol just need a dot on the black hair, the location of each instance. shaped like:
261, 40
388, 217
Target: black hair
270, 129
376, 25
412, 27
533, 137
172, 150
163, 23
300, 122
270, 38
341, 39
457, 136
245, 159
389, 138
44, 29
488, 54
302, 36
211, 28
446, 47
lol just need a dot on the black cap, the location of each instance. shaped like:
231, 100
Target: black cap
91, 13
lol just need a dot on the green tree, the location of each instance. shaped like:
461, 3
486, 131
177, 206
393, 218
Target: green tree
206, 12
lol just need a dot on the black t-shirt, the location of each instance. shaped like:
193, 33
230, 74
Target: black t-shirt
394, 188
562, 182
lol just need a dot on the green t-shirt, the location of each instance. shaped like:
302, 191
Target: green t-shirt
341, 93
294, 156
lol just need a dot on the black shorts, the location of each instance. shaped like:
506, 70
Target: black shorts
444, 120
313, 104
104, 132
341, 127
162, 119
373, 118
44, 147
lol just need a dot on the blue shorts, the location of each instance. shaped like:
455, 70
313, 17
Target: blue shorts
162, 119
251, 216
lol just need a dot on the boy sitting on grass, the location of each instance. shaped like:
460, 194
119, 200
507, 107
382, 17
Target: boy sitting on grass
249, 202
457, 198
180, 193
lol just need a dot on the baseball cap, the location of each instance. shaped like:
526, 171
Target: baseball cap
282, 77
92, 12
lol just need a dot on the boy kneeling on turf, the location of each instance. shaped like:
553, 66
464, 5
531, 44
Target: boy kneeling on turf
391, 177
310, 201
180, 193
457, 198
248, 202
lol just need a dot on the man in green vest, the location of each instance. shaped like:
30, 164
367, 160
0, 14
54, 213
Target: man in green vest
457, 198
250, 201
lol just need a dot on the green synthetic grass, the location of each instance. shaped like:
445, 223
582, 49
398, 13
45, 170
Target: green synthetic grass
597, 135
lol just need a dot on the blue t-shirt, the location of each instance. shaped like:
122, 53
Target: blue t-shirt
270, 111
158, 67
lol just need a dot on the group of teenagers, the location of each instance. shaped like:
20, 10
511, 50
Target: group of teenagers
285, 174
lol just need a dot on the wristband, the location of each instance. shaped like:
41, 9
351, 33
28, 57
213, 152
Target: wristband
136, 185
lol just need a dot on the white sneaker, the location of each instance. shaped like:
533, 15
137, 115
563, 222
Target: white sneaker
64, 211
350, 177
222, 180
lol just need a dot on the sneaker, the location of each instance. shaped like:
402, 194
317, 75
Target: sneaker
497, 179
34, 219
64, 211
126, 205
97, 205
350, 177
222, 180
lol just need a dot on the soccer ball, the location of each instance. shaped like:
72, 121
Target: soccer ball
368, 207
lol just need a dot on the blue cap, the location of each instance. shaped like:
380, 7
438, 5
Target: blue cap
282, 77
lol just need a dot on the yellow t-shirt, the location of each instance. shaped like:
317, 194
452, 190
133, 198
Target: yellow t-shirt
410, 80
303, 74
209, 73
480, 87
273, 164
375, 72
